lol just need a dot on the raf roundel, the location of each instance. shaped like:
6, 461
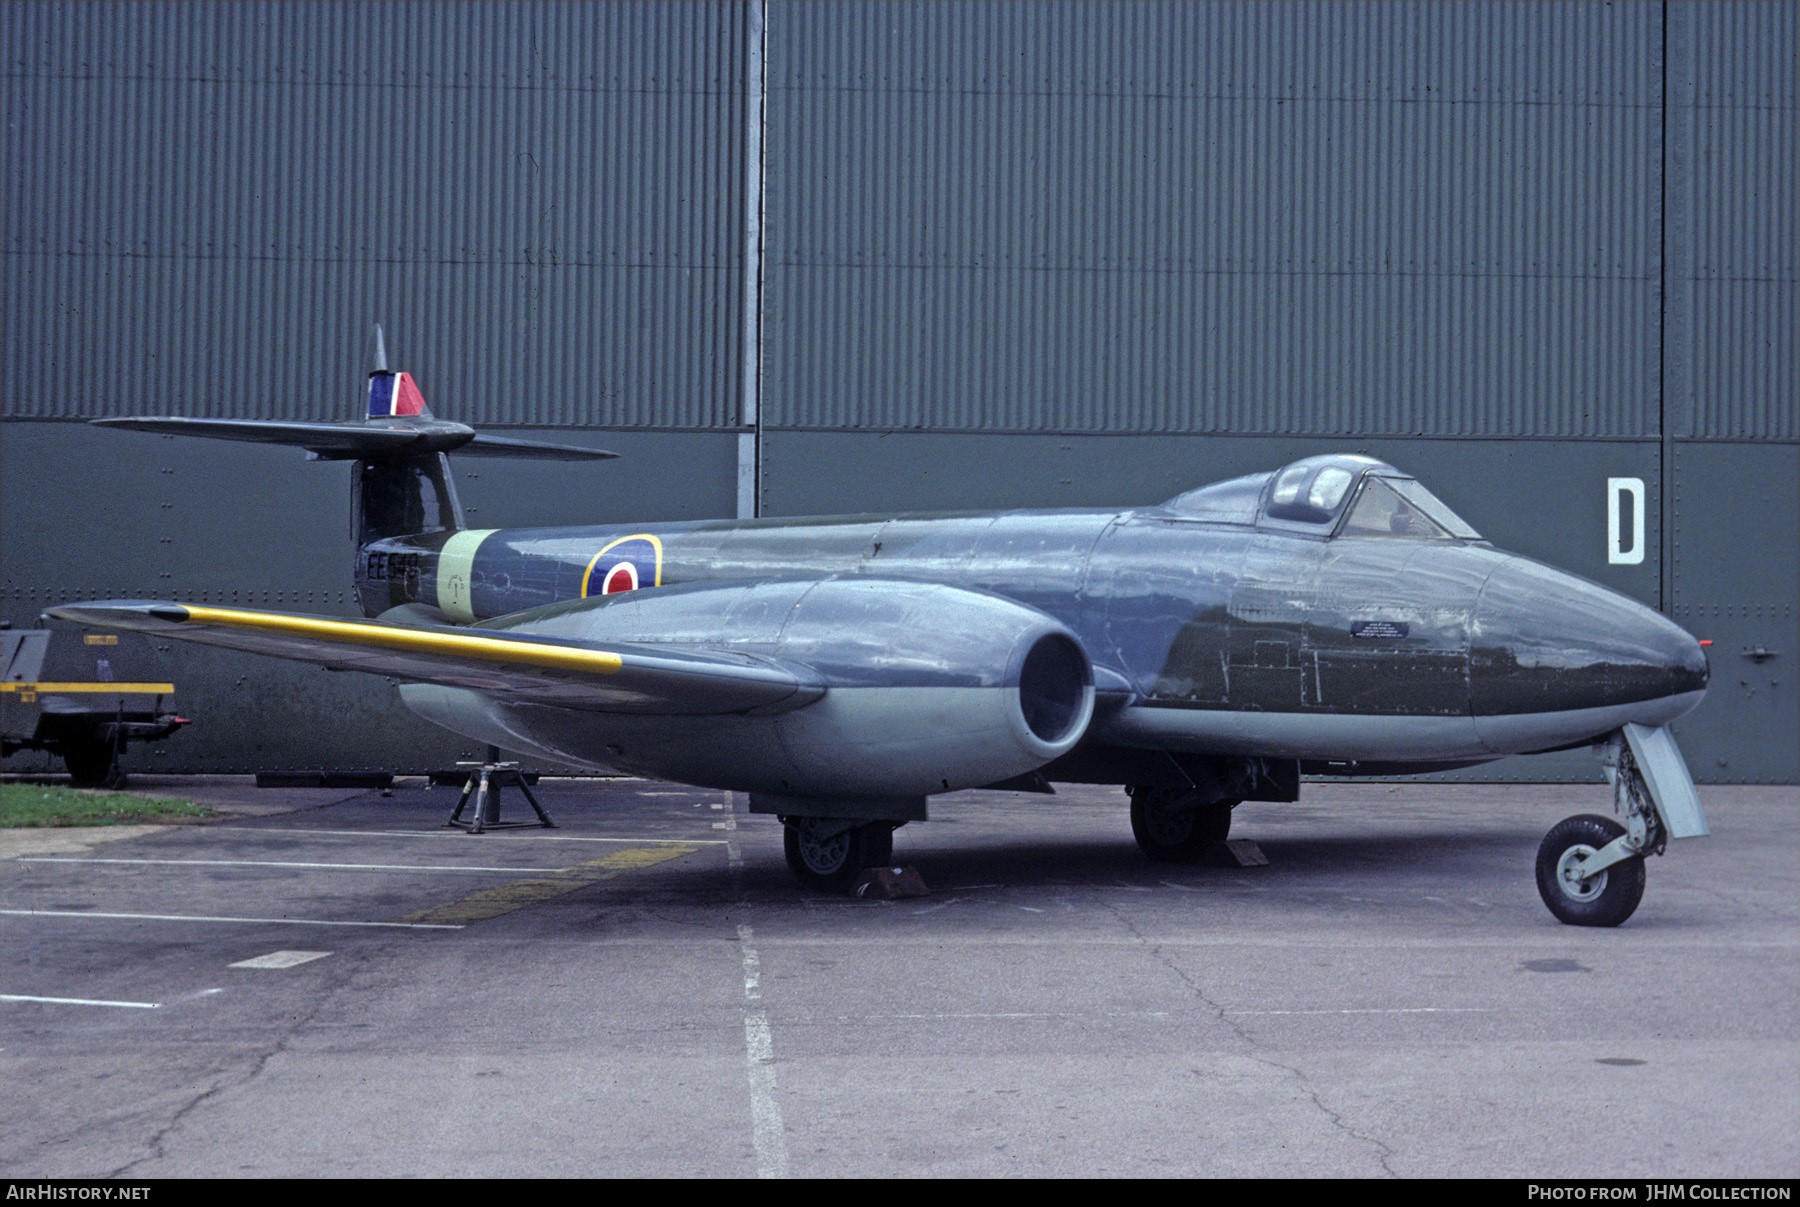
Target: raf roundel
615, 569
622, 577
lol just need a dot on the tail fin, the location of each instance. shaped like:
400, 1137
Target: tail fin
402, 495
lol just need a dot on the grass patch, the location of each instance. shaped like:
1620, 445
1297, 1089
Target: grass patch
47, 805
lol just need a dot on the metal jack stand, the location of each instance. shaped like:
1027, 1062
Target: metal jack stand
484, 783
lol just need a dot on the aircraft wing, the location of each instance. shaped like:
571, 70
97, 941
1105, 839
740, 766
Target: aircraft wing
620, 677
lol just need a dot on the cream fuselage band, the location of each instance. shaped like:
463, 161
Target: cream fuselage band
455, 564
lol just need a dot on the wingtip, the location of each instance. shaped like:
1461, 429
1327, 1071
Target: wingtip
501, 446
121, 613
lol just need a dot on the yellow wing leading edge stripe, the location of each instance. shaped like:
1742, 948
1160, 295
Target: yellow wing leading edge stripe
416, 641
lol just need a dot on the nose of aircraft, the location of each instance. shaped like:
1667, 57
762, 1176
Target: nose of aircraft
1580, 659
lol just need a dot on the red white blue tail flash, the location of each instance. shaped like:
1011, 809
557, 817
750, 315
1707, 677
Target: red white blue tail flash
394, 394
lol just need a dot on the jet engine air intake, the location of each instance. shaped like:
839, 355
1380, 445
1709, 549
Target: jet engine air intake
1052, 688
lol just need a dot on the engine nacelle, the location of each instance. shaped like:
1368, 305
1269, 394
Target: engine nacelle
925, 689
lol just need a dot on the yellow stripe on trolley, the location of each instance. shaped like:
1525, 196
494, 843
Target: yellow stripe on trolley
117, 689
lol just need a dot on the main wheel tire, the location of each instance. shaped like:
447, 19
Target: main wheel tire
1606, 898
93, 765
1168, 831
832, 864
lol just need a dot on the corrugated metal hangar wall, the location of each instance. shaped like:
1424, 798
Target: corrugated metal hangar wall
858, 257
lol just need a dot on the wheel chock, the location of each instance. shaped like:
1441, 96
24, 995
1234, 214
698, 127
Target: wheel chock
889, 884
1234, 853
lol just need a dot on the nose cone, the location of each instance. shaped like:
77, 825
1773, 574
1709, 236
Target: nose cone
1545, 642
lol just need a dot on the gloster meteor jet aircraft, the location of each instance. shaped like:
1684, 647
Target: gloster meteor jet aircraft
1330, 617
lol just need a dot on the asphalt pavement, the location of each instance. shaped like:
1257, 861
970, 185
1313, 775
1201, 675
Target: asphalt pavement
331, 983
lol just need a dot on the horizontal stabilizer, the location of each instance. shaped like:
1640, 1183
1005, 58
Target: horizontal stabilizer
355, 439
559, 673
502, 446
375, 440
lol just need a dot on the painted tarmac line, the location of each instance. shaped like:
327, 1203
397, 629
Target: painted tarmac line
281, 959
767, 1131
511, 836
957, 1016
79, 1001
1377, 1010
1327, 940
734, 855
79, 913
276, 863
505, 898
981, 1016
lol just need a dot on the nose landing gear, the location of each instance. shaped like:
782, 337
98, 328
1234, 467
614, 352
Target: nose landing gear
1590, 869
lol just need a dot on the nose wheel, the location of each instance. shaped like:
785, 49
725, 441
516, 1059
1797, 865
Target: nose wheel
1575, 890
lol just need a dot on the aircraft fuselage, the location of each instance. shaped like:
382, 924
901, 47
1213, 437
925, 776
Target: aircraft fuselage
1365, 653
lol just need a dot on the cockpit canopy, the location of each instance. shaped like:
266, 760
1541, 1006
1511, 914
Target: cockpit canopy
1313, 491
1341, 495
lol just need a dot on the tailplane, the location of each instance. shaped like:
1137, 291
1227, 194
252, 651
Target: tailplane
402, 481
398, 424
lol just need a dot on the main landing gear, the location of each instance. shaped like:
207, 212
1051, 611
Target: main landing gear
1175, 825
830, 853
